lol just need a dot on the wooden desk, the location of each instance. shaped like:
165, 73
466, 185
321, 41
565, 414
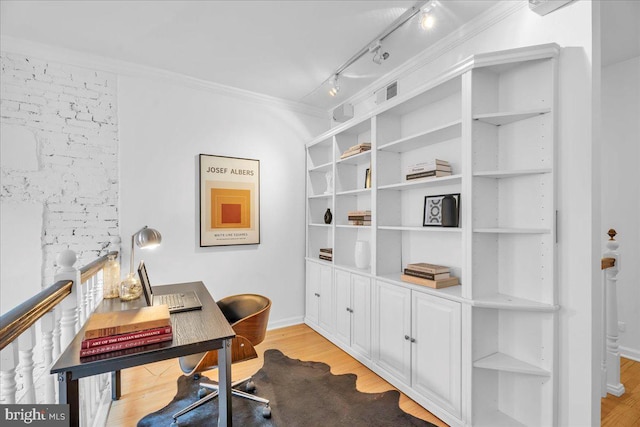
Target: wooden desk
193, 332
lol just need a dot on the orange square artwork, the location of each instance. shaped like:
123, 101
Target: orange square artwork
230, 208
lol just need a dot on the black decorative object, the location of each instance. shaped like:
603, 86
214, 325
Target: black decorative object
442, 210
328, 216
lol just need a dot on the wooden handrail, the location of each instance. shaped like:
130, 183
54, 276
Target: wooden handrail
91, 269
609, 262
23, 316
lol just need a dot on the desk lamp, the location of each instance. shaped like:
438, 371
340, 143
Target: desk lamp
145, 238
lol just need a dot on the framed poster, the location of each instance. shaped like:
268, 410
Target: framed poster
229, 201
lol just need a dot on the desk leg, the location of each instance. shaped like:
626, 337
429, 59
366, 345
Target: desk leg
68, 394
224, 383
116, 391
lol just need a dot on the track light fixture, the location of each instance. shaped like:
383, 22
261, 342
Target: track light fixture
427, 20
378, 54
333, 91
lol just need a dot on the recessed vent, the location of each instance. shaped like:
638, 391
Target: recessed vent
387, 93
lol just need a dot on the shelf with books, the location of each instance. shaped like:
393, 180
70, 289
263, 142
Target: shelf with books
353, 141
356, 159
453, 293
424, 182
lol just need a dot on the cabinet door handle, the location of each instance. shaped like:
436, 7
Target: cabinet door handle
413, 340
406, 337
348, 309
317, 294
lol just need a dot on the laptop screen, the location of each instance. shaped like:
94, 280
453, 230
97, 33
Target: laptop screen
144, 281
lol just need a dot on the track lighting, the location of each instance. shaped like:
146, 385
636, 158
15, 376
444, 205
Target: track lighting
378, 54
333, 91
427, 20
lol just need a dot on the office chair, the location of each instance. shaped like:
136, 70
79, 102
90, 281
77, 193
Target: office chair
248, 315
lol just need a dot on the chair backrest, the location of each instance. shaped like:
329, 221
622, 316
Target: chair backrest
248, 315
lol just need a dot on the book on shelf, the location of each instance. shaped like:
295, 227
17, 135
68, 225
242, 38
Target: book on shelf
326, 250
126, 344
429, 276
360, 145
358, 213
428, 268
356, 149
359, 222
436, 284
441, 168
325, 258
126, 321
431, 164
435, 173
114, 339
359, 218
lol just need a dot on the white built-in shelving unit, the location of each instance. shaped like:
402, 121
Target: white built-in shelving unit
483, 353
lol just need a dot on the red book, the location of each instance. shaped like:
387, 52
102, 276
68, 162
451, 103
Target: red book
125, 344
113, 339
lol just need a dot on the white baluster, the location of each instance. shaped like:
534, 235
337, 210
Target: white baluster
48, 323
26, 342
8, 364
69, 305
614, 386
56, 332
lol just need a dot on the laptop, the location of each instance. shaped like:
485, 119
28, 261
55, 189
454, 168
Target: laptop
177, 302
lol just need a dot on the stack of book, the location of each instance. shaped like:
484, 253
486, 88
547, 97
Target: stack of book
119, 330
356, 149
433, 168
326, 254
431, 275
359, 217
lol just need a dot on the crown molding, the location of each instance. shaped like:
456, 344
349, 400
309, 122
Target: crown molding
124, 68
489, 18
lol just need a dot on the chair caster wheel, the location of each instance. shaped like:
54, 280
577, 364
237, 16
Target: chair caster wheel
266, 412
196, 377
174, 423
250, 387
202, 392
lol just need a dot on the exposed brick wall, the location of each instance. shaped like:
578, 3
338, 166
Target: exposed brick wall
72, 114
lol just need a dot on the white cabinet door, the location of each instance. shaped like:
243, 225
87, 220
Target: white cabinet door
436, 350
326, 313
343, 307
361, 314
313, 292
392, 329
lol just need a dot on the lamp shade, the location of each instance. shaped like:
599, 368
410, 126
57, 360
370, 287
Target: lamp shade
148, 238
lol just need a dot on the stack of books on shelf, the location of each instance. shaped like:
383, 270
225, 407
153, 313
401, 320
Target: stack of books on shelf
326, 254
431, 275
359, 217
119, 330
356, 149
431, 169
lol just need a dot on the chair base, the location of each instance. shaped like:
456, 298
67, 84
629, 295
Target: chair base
266, 411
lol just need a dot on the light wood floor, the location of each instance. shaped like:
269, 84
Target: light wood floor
624, 411
147, 388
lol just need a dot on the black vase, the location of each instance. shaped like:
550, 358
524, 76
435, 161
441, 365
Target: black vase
328, 216
449, 211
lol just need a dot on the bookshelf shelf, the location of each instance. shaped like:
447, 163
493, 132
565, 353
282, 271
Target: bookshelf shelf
311, 224
421, 183
508, 117
354, 227
504, 362
356, 159
320, 196
511, 174
428, 137
421, 229
322, 168
356, 192
501, 230
509, 302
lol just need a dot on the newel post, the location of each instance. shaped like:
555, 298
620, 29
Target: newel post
68, 306
611, 309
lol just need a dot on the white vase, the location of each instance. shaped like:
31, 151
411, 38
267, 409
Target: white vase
362, 254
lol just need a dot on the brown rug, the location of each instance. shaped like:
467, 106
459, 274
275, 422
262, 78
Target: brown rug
302, 394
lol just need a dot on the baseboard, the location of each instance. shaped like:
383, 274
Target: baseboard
630, 353
283, 323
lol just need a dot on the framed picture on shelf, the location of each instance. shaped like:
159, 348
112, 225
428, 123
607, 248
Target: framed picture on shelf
367, 178
441, 211
229, 201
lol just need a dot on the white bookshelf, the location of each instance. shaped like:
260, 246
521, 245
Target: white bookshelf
492, 118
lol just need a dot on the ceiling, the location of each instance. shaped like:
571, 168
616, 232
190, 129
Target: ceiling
285, 49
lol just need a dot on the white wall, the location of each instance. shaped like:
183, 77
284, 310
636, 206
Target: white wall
578, 184
164, 125
620, 157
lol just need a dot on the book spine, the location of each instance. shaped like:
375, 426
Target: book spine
97, 342
126, 344
436, 284
125, 329
426, 174
429, 276
428, 268
326, 258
